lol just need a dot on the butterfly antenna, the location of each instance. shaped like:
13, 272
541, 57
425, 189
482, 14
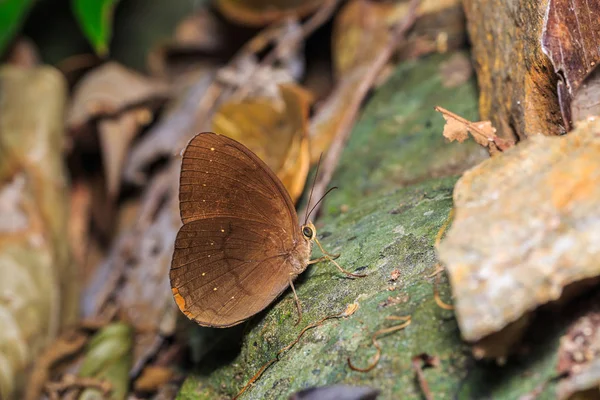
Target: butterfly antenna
317, 203
311, 190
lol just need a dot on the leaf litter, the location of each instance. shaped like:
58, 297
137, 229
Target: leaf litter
138, 124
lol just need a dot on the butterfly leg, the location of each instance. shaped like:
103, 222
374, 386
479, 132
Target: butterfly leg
333, 256
318, 260
298, 306
328, 257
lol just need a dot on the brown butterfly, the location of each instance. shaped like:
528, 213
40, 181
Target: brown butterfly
240, 245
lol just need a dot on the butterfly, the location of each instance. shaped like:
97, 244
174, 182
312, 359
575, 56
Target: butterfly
240, 245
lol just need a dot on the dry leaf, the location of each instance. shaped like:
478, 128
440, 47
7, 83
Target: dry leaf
275, 131
152, 378
570, 40
264, 12
38, 288
110, 89
458, 128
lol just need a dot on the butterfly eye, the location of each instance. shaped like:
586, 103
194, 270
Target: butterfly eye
307, 232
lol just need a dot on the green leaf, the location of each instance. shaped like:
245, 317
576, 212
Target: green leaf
95, 18
12, 13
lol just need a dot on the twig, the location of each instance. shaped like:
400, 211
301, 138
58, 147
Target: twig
334, 152
69, 382
63, 347
346, 313
376, 344
436, 295
438, 266
429, 361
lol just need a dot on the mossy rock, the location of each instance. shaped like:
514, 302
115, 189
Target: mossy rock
396, 178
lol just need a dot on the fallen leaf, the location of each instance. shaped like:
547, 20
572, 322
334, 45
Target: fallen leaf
458, 128
273, 130
152, 378
570, 40
39, 285
261, 12
110, 89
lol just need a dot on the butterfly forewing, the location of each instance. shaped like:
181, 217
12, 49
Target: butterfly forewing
239, 229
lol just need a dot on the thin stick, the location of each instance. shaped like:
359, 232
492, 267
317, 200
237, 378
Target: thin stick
298, 306
343, 131
347, 312
436, 295
376, 344
442, 230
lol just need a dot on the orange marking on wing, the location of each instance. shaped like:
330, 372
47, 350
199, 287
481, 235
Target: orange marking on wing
181, 302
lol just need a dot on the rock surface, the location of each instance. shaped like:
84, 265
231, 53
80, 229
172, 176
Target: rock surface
526, 226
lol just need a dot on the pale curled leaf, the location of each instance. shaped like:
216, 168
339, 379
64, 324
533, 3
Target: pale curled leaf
37, 289
458, 128
110, 89
454, 130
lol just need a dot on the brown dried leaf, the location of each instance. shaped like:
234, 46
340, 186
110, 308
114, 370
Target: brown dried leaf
525, 227
264, 12
110, 89
275, 131
458, 128
516, 84
455, 130
152, 378
570, 39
